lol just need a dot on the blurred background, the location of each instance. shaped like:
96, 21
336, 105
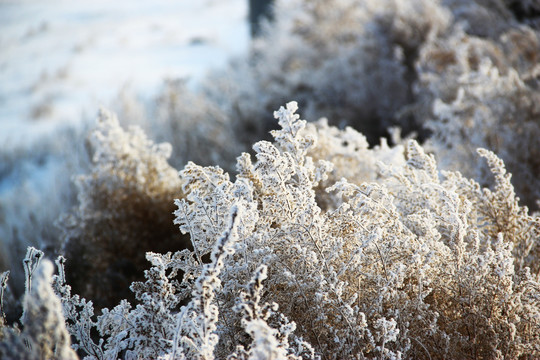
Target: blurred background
62, 60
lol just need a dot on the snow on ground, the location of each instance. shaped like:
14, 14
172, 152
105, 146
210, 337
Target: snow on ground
60, 60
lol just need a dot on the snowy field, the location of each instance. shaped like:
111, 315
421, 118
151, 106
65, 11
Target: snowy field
60, 60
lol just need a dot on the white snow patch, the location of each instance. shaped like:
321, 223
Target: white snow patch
63, 59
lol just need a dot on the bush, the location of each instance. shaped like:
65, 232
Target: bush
325, 243
413, 263
124, 210
477, 84
44, 334
350, 61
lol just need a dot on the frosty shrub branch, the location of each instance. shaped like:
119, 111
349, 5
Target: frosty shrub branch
295, 260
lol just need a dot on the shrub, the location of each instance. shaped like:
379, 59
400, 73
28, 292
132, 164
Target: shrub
321, 247
351, 61
44, 334
412, 263
485, 94
124, 210
416, 264
372, 65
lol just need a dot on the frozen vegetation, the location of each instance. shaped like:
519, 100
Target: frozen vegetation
398, 222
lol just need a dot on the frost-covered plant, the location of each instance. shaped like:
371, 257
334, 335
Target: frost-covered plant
349, 60
124, 209
411, 262
44, 334
483, 93
416, 264
197, 322
139, 332
351, 155
372, 64
268, 343
156, 327
3, 285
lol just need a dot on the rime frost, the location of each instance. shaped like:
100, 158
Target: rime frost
320, 245
406, 262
